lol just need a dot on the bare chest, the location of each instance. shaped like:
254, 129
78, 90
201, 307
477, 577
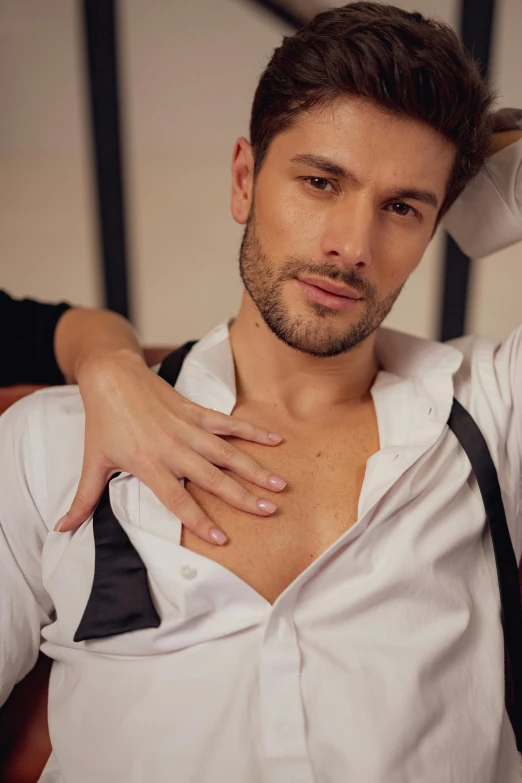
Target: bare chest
324, 468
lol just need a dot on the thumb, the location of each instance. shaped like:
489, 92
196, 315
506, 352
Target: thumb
91, 485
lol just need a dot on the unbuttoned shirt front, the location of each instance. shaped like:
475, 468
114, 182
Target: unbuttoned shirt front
382, 661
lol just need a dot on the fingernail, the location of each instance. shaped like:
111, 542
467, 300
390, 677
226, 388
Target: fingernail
217, 536
276, 482
60, 522
274, 437
267, 506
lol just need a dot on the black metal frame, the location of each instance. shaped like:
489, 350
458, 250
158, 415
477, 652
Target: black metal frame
100, 33
476, 31
280, 9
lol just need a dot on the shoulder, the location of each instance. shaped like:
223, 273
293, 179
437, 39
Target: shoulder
45, 409
41, 449
490, 366
485, 376
489, 385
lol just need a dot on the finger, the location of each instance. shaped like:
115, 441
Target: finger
221, 424
213, 480
92, 483
224, 454
169, 491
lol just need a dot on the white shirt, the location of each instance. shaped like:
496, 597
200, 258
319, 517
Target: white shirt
382, 661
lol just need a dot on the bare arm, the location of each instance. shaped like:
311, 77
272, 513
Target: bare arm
81, 333
500, 141
86, 334
487, 216
135, 422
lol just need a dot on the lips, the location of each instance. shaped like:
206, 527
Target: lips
332, 288
340, 300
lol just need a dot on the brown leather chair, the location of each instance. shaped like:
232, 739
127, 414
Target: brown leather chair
25, 745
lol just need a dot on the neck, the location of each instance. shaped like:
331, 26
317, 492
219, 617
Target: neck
268, 371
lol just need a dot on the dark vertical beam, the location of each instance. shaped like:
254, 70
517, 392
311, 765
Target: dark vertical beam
476, 31
100, 32
455, 291
283, 12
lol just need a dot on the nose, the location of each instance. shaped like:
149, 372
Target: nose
347, 233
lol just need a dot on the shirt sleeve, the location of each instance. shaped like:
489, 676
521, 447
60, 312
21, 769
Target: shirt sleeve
27, 345
507, 365
487, 216
25, 606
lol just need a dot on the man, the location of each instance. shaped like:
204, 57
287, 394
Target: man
354, 634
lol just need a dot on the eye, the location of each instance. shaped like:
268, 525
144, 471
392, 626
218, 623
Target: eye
403, 209
320, 183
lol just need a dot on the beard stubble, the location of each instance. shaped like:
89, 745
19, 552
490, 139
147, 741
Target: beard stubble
315, 335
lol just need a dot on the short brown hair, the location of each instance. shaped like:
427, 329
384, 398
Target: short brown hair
403, 62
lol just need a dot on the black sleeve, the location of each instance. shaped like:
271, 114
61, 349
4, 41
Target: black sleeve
27, 341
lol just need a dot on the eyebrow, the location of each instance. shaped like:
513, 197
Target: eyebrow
335, 170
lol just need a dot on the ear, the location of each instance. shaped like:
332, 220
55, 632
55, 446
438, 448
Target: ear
242, 181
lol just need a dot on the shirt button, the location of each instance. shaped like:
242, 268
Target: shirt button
187, 572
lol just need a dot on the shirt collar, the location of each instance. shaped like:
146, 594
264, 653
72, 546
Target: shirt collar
408, 356
208, 374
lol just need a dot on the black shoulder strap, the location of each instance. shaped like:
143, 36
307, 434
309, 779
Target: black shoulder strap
171, 365
120, 599
472, 441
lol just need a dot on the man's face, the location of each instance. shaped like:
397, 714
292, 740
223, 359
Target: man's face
339, 216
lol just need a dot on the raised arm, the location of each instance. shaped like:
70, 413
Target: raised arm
135, 422
488, 215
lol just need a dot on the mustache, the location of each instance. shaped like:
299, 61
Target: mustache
296, 266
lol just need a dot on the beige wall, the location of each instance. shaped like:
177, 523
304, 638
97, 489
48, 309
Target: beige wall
47, 239
188, 69
191, 70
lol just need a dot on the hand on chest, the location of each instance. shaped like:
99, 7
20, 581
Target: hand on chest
324, 468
